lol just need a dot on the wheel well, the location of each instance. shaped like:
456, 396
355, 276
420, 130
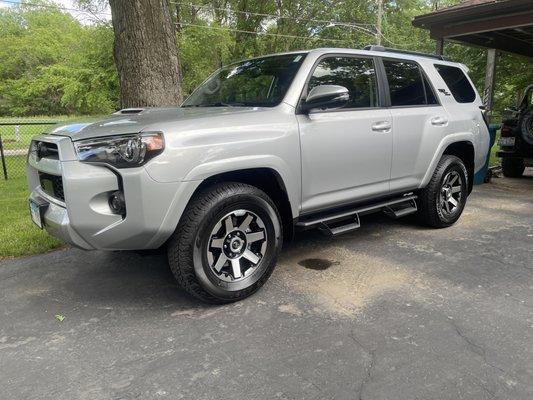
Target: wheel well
464, 151
270, 182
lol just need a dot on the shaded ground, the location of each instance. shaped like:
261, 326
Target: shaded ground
392, 311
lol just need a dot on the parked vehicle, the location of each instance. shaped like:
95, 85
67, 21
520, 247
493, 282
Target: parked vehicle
516, 142
264, 147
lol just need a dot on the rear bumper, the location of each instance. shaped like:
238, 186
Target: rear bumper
85, 219
508, 154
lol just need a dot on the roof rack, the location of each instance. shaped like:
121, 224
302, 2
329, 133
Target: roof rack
413, 53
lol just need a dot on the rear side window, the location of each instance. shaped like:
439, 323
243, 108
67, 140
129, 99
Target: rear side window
408, 85
457, 82
358, 75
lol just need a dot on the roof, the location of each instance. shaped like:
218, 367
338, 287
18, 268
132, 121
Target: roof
370, 50
506, 25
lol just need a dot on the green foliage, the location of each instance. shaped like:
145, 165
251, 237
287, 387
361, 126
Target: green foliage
202, 51
51, 64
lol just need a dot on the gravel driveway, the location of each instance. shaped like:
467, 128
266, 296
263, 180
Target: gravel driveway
392, 311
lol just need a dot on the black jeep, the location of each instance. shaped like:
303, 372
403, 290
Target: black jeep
516, 143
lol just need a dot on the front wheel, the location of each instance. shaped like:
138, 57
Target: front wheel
226, 244
442, 201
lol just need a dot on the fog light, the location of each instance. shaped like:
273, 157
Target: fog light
117, 202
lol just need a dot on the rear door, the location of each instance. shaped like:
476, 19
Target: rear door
346, 153
420, 122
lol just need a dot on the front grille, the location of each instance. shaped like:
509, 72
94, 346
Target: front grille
52, 185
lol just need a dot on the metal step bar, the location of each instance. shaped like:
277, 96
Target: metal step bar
348, 220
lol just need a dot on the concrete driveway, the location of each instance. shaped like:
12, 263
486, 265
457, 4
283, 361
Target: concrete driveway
392, 311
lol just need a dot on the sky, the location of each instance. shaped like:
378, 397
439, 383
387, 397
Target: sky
83, 17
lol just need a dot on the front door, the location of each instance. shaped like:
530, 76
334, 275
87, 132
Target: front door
346, 153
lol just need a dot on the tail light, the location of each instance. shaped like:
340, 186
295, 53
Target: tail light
506, 131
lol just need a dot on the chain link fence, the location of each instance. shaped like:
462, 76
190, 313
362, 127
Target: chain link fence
15, 139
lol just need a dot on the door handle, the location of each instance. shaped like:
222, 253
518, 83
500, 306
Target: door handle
439, 121
382, 126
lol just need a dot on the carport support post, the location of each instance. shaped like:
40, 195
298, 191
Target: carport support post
490, 80
440, 47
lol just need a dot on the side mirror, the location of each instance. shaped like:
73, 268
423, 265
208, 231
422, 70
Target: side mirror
326, 96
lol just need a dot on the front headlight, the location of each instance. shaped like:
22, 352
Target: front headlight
124, 151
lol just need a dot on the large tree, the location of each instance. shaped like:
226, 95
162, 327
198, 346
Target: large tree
146, 53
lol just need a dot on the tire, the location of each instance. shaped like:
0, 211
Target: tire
223, 224
526, 126
448, 185
513, 167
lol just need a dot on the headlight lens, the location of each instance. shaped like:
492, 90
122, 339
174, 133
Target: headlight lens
124, 151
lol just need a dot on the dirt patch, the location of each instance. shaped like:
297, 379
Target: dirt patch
290, 309
347, 286
480, 219
513, 205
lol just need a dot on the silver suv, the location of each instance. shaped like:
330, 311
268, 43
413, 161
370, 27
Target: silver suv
262, 148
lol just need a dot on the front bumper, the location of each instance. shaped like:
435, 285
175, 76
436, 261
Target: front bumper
85, 219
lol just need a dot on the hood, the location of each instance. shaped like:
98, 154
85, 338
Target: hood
139, 120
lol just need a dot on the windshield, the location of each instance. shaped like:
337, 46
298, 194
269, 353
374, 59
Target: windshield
261, 82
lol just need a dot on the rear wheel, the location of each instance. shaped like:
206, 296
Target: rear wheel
442, 201
227, 243
513, 167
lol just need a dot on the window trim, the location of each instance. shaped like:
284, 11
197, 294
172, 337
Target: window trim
423, 75
379, 83
472, 87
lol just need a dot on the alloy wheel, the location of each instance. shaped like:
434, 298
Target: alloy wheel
451, 193
236, 245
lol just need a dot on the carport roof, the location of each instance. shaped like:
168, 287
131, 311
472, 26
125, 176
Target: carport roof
505, 25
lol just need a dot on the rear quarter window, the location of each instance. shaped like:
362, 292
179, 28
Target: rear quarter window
457, 82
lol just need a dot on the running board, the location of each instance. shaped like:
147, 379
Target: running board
401, 209
342, 222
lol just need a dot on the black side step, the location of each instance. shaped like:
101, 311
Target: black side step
348, 220
401, 209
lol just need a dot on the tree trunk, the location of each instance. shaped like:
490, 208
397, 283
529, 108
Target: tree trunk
146, 53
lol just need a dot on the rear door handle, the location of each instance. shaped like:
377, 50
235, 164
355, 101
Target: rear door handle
382, 126
439, 121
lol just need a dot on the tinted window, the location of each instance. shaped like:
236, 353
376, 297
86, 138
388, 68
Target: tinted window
260, 82
407, 84
430, 94
458, 83
358, 75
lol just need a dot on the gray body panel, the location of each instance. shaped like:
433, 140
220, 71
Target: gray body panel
324, 159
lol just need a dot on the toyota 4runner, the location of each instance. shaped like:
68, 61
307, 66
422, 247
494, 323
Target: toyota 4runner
262, 148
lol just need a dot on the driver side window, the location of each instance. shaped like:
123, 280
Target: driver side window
358, 75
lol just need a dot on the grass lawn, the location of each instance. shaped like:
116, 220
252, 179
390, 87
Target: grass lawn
18, 235
19, 137
493, 159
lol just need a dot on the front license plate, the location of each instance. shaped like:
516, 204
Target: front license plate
507, 141
36, 212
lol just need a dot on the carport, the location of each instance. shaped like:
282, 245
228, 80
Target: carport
497, 25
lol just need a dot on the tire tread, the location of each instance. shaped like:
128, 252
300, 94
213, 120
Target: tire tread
181, 245
428, 214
